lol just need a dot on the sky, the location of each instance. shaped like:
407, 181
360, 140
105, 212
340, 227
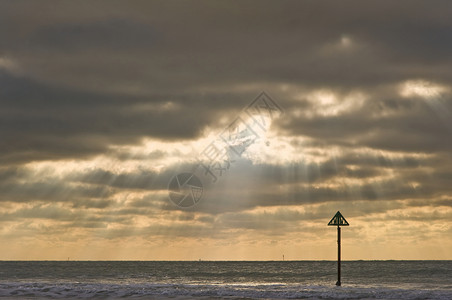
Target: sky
104, 103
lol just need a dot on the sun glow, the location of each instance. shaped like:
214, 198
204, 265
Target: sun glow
421, 88
330, 103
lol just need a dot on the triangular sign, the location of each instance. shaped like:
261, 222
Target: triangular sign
338, 220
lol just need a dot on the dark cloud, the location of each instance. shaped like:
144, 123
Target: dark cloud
41, 122
413, 127
115, 34
84, 80
196, 60
208, 44
50, 190
143, 180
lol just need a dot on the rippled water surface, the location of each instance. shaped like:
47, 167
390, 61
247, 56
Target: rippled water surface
274, 280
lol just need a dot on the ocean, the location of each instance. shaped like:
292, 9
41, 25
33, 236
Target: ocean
225, 279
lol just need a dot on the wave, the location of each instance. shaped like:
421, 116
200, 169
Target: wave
77, 290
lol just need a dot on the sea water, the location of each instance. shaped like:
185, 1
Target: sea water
225, 279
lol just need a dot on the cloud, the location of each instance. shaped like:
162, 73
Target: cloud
101, 105
387, 124
198, 48
41, 122
116, 78
115, 34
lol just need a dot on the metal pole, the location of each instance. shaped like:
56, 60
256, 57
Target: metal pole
338, 283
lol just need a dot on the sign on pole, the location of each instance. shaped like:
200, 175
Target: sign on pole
338, 220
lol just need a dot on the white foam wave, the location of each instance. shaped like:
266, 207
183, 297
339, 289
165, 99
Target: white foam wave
144, 291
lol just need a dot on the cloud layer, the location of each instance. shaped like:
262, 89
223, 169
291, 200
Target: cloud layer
101, 104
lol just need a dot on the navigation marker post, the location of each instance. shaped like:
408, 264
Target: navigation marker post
338, 220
